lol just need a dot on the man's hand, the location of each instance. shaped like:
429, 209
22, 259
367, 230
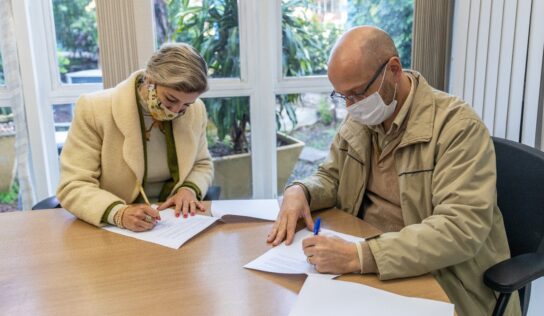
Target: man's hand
331, 254
140, 217
293, 207
184, 201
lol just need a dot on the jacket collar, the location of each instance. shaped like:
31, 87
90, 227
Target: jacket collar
420, 123
125, 116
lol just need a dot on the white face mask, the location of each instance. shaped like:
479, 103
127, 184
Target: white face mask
372, 110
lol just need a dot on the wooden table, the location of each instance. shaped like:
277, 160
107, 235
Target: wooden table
54, 264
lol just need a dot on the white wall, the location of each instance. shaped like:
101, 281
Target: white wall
496, 66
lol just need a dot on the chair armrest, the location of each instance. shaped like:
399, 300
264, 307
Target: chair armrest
514, 273
47, 203
213, 193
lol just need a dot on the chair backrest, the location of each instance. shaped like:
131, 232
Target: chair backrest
520, 194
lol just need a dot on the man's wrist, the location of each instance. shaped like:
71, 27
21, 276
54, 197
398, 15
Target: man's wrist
359, 260
298, 185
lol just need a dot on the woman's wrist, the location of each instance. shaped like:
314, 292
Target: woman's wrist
118, 217
188, 189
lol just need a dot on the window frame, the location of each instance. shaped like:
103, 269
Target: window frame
259, 21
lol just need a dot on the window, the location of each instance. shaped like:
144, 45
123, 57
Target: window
9, 188
2, 80
229, 142
62, 116
267, 64
210, 26
310, 29
306, 124
76, 41
304, 112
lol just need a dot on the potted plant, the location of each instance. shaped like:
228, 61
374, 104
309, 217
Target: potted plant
212, 28
7, 148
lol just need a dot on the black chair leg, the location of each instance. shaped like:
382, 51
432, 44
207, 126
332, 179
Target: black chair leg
502, 302
524, 296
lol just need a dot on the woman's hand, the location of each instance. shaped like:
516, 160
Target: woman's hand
140, 217
184, 201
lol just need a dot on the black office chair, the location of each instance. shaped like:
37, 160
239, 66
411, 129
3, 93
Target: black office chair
51, 202
520, 194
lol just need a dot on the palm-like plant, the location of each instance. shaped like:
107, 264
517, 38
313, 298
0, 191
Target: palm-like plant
212, 28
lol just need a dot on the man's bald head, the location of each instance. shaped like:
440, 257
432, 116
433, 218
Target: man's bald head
362, 48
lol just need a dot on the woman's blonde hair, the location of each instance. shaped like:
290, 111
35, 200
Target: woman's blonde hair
178, 66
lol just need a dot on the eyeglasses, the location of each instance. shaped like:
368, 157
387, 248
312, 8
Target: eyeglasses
357, 96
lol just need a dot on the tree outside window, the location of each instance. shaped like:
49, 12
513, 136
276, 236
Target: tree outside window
311, 27
77, 41
309, 30
211, 26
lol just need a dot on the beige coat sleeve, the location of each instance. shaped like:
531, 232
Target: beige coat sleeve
323, 185
463, 196
79, 190
201, 173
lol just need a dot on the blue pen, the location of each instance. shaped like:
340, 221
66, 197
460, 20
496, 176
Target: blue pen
316, 226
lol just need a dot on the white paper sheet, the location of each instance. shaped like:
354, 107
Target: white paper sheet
170, 231
320, 296
261, 209
291, 259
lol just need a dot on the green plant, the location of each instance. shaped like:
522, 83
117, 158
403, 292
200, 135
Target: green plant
212, 28
76, 34
12, 195
306, 41
6, 114
393, 16
324, 112
1, 71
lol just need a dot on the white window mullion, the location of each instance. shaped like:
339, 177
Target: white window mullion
318, 84
262, 27
145, 28
36, 76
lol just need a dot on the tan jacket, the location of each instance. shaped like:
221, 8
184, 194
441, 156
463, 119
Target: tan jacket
103, 157
446, 168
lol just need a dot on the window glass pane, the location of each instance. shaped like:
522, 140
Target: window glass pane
211, 26
311, 27
229, 138
62, 117
77, 41
9, 187
306, 125
228, 135
2, 82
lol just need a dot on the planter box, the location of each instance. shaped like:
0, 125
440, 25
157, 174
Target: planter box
7, 161
233, 173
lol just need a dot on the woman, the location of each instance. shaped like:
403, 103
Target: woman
146, 135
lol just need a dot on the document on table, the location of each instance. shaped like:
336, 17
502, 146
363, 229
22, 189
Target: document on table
228, 210
291, 259
320, 296
170, 231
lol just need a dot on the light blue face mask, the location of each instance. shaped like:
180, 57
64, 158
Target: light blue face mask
372, 110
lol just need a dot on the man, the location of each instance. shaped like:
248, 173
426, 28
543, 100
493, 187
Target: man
416, 163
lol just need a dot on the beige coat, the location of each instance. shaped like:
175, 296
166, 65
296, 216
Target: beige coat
103, 157
446, 168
